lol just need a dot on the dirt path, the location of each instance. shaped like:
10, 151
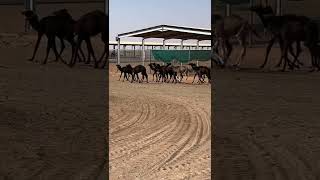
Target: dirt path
159, 131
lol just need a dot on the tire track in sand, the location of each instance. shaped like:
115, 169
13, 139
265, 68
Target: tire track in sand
157, 136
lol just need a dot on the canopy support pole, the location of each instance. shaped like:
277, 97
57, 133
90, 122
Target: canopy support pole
198, 49
143, 53
118, 54
164, 44
182, 44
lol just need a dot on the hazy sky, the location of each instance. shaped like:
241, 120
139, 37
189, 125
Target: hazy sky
130, 15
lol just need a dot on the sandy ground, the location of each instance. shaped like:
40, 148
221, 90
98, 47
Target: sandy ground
266, 122
159, 130
53, 120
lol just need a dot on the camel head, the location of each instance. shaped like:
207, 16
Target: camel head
192, 64
29, 14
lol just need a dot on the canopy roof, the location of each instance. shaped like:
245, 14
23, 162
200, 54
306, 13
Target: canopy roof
170, 32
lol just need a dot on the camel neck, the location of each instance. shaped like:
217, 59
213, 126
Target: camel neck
265, 18
35, 24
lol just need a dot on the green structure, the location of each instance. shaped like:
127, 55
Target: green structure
183, 56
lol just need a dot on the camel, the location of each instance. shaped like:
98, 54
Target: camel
296, 29
163, 72
89, 25
274, 24
153, 67
172, 72
136, 70
228, 27
65, 14
125, 71
200, 71
51, 26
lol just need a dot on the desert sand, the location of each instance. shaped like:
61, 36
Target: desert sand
267, 122
52, 118
159, 130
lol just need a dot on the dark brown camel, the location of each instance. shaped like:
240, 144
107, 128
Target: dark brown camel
163, 72
89, 25
124, 70
172, 72
136, 70
301, 29
69, 27
153, 67
200, 71
51, 26
274, 24
228, 27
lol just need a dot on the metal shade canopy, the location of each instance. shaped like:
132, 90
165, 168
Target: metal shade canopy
170, 32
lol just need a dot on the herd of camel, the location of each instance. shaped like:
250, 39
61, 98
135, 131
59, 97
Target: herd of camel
286, 29
60, 24
165, 73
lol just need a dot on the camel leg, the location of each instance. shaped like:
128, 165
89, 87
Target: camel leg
36, 47
104, 39
82, 54
120, 76
146, 77
242, 42
313, 63
299, 50
125, 77
223, 51
270, 44
49, 45
317, 59
133, 77
82, 58
89, 54
194, 77
90, 49
54, 47
106, 56
74, 57
62, 46
285, 54
103, 53
229, 50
